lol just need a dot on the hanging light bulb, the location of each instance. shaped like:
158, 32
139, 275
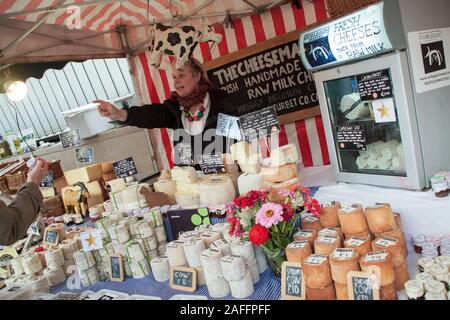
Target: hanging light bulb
16, 90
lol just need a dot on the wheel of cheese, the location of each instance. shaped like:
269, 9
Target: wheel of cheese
245, 250
326, 293
388, 292
279, 174
329, 214
283, 155
309, 235
342, 261
241, 150
401, 276
117, 185
165, 175
398, 234
298, 251
107, 167
310, 222
276, 188
184, 174
391, 245
168, 187
233, 267
352, 219
317, 271
192, 250
341, 291
380, 218
209, 237
217, 287
324, 245
187, 199
251, 164
210, 259
332, 231
380, 263
175, 254
231, 165
216, 190
361, 245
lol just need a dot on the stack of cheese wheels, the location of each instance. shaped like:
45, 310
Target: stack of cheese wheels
247, 156
343, 261
361, 245
324, 245
353, 221
318, 281
329, 214
380, 263
333, 232
395, 249
304, 234
310, 222
298, 251
237, 275
187, 193
250, 181
280, 171
216, 190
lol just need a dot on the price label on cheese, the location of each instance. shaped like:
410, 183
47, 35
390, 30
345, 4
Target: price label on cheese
347, 210
341, 253
386, 242
228, 259
304, 234
329, 204
327, 239
316, 259
355, 241
376, 256
310, 219
328, 232
298, 244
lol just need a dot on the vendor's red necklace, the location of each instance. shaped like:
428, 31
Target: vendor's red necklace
191, 117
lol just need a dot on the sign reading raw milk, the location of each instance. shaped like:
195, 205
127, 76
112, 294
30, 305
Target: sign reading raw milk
362, 286
292, 282
182, 278
125, 168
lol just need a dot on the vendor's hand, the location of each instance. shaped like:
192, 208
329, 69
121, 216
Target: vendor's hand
107, 109
38, 172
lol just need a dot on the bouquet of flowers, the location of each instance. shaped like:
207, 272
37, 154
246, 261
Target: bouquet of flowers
270, 225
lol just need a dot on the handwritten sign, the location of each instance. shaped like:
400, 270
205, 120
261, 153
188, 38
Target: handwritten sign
70, 138
84, 155
374, 85
260, 123
362, 286
47, 181
184, 279
211, 163
292, 282
125, 168
183, 154
116, 271
228, 126
351, 138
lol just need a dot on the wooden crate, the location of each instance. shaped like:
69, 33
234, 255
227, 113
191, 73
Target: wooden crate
338, 8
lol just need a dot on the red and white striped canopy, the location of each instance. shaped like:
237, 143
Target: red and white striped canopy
78, 29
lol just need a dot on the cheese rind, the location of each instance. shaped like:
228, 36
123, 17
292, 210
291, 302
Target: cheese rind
249, 181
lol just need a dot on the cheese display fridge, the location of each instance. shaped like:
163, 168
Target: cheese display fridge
383, 127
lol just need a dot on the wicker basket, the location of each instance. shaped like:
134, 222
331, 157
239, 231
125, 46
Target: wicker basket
17, 177
3, 181
338, 8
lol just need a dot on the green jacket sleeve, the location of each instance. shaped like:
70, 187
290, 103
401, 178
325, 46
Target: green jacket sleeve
20, 214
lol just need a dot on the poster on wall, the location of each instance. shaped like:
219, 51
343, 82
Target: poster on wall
430, 58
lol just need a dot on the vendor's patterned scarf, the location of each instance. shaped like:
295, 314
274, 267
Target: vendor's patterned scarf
196, 97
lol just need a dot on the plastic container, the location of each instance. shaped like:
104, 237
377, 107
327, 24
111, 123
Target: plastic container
87, 119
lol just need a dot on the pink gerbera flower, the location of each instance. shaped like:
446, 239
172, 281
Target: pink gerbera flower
269, 214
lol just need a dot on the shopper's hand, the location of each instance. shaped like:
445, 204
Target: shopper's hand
38, 172
107, 109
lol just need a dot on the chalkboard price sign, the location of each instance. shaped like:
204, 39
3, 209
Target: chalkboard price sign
70, 138
374, 85
292, 282
116, 272
211, 163
351, 138
184, 279
260, 123
125, 168
51, 237
362, 286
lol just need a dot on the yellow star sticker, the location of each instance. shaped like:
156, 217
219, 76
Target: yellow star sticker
91, 240
384, 110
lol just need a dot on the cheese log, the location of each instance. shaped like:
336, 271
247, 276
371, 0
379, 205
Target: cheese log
391, 245
332, 231
59, 184
380, 218
309, 235
326, 293
241, 150
249, 181
216, 190
109, 176
329, 215
85, 174
343, 261
279, 174
298, 251
401, 276
398, 234
388, 292
325, 245
230, 165
107, 167
352, 219
251, 164
317, 271
184, 174
47, 192
311, 222
283, 155
361, 245
380, 263
168, 187
116, 185
341, 291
